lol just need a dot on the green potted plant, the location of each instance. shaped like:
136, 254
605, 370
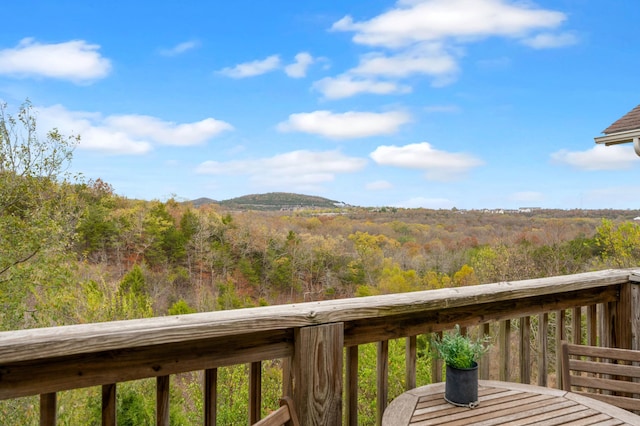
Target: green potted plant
460, 354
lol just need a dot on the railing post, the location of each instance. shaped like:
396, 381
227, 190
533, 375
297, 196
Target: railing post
628, 314
317, 374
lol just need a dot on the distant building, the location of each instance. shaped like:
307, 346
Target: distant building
528, 209
625, 130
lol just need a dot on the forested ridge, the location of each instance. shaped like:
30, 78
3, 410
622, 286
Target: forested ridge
73, 251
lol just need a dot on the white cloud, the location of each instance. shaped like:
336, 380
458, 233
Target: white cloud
378, 185
180, 48
295, 170
345, 86
550, 40
426, 203
426, 37
429, 58
126, 134
298, 69
430, 20
600, 157
75, 60
165, 132
438, 165
348, 125
254, 68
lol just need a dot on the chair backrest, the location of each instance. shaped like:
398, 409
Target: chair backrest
285, 415
608, 374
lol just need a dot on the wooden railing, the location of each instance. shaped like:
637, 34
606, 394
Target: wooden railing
319, 342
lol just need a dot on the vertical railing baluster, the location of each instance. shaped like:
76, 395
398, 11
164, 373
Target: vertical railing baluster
162, 400
352, 385
210, 396
382, 379
287, 377
48, 409
504, 343
255, 391
543, 364
603, 341
410, 362
109, 405
525, 349
485, 364
592, 325
576, 325
560, 336
436, 362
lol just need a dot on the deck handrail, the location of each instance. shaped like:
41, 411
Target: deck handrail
83, 355
69, 340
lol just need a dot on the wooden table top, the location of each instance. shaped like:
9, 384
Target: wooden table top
503, 403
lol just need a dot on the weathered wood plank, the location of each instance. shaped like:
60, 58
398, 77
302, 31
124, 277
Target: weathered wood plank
95, 369
372, 330
318, 374
84, 338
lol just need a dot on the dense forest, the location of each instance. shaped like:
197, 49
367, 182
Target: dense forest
73, 251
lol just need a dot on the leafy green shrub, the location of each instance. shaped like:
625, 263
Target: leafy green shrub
458, 350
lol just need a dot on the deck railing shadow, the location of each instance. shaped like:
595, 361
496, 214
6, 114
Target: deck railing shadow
319, 344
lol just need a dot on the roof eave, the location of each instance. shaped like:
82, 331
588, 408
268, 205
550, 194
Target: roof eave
618, 137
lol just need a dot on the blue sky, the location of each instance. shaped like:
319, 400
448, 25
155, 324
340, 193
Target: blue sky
412, 103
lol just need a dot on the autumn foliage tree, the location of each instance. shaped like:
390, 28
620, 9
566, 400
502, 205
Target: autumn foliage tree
38, 204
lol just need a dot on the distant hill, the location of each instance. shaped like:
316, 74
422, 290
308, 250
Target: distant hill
274, 201
202, 201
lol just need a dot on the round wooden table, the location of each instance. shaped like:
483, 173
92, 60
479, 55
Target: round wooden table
504, 403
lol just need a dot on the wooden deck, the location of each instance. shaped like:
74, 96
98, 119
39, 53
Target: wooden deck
502, 403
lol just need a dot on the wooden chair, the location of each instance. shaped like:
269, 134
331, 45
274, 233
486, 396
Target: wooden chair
285, 415
608, 374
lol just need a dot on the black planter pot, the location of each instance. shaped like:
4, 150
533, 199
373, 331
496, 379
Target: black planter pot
461, 386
